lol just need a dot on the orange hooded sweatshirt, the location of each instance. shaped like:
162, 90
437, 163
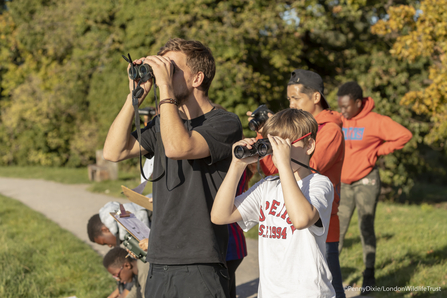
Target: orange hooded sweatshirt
367, 136
327, 159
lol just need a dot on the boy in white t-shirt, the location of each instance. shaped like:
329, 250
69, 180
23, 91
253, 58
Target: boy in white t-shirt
292, 210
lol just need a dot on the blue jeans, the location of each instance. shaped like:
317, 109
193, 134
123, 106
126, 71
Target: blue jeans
334, 266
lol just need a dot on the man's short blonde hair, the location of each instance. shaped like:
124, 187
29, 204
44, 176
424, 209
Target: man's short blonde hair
291, 124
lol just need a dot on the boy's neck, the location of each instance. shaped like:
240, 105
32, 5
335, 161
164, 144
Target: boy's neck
301, 173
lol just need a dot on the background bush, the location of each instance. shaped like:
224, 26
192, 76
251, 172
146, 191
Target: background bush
63, 80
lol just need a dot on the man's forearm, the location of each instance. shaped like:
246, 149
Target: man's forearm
173, 133
178, 142
116, 146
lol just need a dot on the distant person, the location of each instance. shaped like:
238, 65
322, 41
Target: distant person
292, 210
125, 269
305, 90
367, 136
104, 230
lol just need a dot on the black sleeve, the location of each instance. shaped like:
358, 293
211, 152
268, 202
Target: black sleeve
221, 131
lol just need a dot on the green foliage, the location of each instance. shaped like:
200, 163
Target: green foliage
63, 79
423, 35
39, 259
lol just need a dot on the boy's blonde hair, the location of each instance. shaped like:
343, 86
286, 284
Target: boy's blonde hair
291, 124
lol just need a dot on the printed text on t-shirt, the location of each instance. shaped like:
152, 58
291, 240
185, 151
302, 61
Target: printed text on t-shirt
354, 133
271, 209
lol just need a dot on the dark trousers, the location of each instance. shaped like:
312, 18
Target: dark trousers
187, 281
232, 266
333, 263
363, 195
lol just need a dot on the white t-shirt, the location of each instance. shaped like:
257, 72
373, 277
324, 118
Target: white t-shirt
148, 168
291, 262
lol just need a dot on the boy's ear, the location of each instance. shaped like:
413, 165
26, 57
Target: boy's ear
128, 265
310, 146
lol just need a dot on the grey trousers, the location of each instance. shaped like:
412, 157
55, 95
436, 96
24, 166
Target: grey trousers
363, 195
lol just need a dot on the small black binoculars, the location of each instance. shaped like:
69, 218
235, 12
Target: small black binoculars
262, 148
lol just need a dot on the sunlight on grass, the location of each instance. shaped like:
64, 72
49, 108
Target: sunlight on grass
39, 259
411, 250
62, 175
129, 178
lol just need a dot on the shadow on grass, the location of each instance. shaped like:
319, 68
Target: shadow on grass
401, 277
349, 242
348, 271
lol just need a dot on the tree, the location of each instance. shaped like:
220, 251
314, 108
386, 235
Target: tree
48, 57
63, 79
423, 33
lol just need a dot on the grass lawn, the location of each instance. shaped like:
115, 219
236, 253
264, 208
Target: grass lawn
39, 259
78, 176
411, 250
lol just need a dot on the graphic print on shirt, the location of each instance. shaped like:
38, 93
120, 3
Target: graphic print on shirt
272, 231
353, 133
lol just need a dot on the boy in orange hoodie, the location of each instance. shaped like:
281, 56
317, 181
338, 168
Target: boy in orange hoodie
305, 91
367, 136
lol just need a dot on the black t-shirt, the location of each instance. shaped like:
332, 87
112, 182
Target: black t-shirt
181, 231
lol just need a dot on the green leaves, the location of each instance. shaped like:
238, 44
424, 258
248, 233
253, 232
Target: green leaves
63, 79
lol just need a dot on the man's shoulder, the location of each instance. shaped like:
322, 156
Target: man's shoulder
219, 113
219, 116
330, 127
370, 119
224, 121
329, 133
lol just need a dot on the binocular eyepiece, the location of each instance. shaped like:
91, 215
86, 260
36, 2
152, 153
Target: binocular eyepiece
262, 148
142, 71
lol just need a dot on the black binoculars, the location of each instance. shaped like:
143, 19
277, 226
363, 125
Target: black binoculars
142, 71
262, 148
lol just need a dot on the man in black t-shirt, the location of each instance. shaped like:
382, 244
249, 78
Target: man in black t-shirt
186, 251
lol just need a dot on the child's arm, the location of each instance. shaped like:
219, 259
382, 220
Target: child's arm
300, 211
115, 294
124, 294
224, 211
